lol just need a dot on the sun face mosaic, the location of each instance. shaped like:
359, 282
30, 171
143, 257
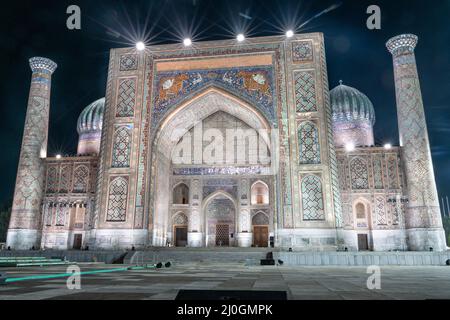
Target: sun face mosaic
254, 85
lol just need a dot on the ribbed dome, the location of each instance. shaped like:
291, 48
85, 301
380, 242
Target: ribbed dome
349, 104
91, 118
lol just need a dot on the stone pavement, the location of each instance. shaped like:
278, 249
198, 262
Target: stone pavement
312, 283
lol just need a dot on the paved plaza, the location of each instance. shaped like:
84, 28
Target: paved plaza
316, 283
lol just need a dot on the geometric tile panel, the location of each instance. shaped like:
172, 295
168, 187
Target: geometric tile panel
392, 172
359, 174
305, 91
378, 172
302, 51
52, 179
117, 200
312, 198
60, 216
128, 62
121, 147
80, 179
65, 177
380, 211
126, 98
309, 146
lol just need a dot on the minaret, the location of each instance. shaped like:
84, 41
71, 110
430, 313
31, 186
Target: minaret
423, 216
24, 226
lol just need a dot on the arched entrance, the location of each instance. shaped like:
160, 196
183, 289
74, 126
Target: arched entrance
220, 220
180, 229
363, 224
217, 106
260, 224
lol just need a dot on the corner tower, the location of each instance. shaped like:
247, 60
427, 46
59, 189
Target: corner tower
423, 217
24, 226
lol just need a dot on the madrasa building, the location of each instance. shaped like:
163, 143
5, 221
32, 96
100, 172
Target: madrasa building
227, 143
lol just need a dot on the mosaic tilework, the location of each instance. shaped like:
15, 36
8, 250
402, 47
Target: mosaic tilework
60, 216
312, 198
342, 169
254, 84
52, 179
392, 171
423, 206
260, 219
221, 208
128, 62
378, 172
228, 185
221, 170
48, 216
126, 98
305, 91
302, 51
396, 212
334, 174
380, 211
180, 219
80, 179
117, 199
101, 179
359, 174
121, 147
29, 186
142, 168
65, 179
309, 145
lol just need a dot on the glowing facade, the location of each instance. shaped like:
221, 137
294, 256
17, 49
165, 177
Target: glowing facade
150, 170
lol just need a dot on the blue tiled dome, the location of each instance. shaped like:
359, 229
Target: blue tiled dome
350, 104
91, 118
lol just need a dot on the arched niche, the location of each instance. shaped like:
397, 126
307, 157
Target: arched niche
260, 193
180, 194
174, 126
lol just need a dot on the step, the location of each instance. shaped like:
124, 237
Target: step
200, 255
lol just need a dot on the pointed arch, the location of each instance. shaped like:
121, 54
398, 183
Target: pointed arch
180, 193
217, 193
259, 193
362, 215
260, 218
212, 99
169, 131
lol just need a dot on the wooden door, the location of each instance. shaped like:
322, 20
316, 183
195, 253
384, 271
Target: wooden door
363, 243
260, 236
180, 236
77, 241
222, 235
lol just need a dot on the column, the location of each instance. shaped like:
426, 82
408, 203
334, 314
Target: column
24, 227
423, 216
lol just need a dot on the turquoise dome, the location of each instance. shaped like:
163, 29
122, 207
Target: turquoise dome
350, 104
91, 118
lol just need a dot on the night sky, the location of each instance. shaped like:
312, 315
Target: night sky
354, 54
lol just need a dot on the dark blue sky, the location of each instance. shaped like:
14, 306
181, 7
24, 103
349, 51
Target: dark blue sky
354, 54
